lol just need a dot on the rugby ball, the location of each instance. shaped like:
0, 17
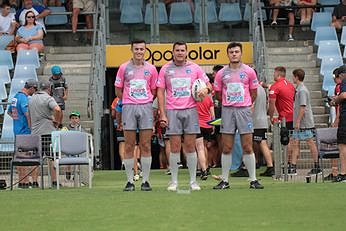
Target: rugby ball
196, 86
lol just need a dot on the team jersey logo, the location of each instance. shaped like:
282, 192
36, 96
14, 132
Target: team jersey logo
242, 75
146, 72
188, 71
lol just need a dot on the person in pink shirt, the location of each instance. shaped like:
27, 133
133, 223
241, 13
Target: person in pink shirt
236, 86
135, 85
180, 115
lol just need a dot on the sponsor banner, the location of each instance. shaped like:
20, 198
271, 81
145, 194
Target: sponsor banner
159, 54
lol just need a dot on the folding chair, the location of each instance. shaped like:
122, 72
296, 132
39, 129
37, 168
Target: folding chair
73, 148
27, 152
326, 145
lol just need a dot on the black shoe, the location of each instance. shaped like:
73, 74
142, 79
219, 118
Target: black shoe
145, 186
330, 177
168, 172
292, 170
242, 172
55, 184
222, 185
68, 175
198, 172
23, 185
268, 172
256, 185
204, 175
129, 187
35, 184
340, 178
315, 171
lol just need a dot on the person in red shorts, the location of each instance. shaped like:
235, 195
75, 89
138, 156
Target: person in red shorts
281, 98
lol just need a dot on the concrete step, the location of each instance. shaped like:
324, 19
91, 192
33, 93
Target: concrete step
296, 43
289, 50
79, 68
71, 79
293, 64
317, 102
321, 125
52, 57
283, 58
314, 86
323, 118
316, 94
68, 50
318, 110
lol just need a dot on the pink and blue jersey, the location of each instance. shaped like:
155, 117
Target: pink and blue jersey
136, 82
235, 85
178, 80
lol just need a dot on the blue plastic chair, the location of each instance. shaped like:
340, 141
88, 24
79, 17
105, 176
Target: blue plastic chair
60, 19
131, 14
343, 36
162, 17
16, 86
247, 13
6, 59
126, 3
28, 57
180, 13
230, 12
325, 33
329, 64
7, 128
211, 13
344, 53
328, 48
5, 40
328, 2
4, 75
3, 91
328, 82
320, 19
25, 72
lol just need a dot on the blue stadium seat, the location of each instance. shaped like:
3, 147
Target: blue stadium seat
230, 12
5, 39
328, 82
180, 13
25, 72
325, 33
131, 14
162, 17
343, 36
328, 48
329, 64
211, 13
328, 2
320, 19
6, 59
7, 128
3, 92
60, 19
28, 57
16, 86
344, 56
4, 75
247, 13
125, 3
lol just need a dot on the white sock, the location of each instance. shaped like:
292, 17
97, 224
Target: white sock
250, 164
128, 163
191, 161
146, 165
226, 162
174, 159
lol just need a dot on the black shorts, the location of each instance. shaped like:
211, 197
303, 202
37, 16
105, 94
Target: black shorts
341, 134
259, 135
205, 133
120, 136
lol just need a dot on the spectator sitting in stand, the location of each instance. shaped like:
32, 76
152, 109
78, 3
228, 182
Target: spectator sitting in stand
52, 3
7, 21
290, 13
30, 35
306, 13
339, 15
84, 6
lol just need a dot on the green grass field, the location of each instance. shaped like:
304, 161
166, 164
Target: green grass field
280, 206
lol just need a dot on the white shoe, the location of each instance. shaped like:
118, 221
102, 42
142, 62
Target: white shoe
194, 186
172, 187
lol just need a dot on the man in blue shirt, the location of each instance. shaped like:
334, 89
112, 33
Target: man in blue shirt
18, 110
341, 135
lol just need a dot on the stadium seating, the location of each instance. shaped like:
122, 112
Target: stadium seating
247, 13
28, 152
131, 13
328, 82
6, 59
180, 13
325, 33
28, 57
66, 152
230, 12
5, 40
328, 48
326, 145
329, 64
328, 2
343, 36
320, 19
59, 19
162, 17
25, 72
4, 75
16, 85
211, 13
7, 128
126, 3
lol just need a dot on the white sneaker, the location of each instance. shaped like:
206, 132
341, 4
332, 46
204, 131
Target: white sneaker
290, 38
172, 187
194, 186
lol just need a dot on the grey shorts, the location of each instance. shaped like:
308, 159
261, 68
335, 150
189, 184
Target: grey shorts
236, 118
137, 116
183, 122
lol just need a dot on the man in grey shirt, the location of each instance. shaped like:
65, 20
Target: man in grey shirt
45, 116
303, 121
